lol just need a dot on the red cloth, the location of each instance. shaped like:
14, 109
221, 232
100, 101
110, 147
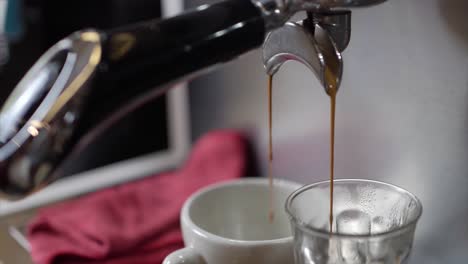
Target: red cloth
137, 222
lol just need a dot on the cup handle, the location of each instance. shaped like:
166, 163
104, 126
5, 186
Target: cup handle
184, 256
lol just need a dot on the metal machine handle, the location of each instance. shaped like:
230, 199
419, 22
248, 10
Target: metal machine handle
160, 50
138, 59
62, 100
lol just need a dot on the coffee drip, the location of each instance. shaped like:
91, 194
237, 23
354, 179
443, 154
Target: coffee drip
332, 92
316, 48
271, 214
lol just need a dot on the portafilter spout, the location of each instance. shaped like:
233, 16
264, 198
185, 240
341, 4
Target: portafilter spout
316, 42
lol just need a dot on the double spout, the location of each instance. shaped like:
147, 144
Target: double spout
91, 79
316, 42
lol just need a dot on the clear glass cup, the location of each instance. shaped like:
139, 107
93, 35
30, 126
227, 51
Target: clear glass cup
373, 223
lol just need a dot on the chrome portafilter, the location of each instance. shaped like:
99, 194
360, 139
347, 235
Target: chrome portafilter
316, 42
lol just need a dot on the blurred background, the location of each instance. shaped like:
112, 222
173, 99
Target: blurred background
402, 113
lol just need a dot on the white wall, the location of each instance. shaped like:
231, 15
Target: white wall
402, 113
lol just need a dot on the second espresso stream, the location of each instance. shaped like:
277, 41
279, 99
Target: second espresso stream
332, 92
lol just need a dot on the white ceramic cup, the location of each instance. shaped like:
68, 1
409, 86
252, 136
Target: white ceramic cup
227, 223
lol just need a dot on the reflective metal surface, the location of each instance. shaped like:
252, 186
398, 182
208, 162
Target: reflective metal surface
294, 42
326, 4
38, 117
316, 42
337, 24
277, 12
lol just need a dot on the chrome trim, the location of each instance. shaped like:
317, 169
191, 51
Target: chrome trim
275, 13
295, 42
37, 119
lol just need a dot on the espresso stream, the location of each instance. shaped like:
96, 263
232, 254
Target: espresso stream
331, 90
271, 214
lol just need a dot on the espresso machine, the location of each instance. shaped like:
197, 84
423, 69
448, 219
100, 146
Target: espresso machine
92, 78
